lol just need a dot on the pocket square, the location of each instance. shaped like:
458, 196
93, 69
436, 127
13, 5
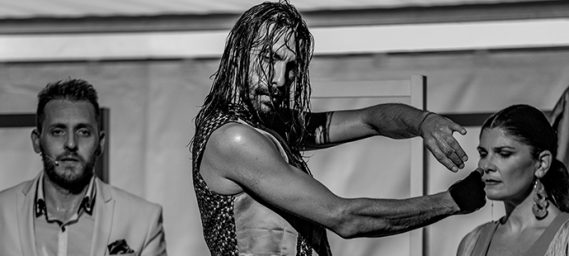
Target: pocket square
119, 247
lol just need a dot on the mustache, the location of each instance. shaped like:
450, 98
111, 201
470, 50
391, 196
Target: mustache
68, 154
274, 93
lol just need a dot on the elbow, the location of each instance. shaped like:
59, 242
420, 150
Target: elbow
344, 224
346, 232
354, 220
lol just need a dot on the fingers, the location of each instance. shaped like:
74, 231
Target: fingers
447, 150
458, 155
457, 128
443, 158
438, 137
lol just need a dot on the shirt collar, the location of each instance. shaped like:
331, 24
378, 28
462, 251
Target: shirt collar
86, 204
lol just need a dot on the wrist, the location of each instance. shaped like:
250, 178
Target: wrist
424, 117
455, 208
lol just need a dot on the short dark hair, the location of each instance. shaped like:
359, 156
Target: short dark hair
70, 89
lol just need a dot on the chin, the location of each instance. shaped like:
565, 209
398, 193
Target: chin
493, 195
72, 179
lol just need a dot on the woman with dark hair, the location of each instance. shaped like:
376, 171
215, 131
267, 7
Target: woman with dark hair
517, 155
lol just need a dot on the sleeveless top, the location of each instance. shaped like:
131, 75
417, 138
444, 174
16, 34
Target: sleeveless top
554, 241
242, 225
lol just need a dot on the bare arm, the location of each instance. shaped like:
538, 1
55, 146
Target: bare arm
238, 158
396, 121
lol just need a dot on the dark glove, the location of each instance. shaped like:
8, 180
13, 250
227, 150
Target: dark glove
469, 193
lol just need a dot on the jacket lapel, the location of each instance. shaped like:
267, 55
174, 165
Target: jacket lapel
25, 206
104, 208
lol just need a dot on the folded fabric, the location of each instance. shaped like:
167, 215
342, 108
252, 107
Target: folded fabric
119, 247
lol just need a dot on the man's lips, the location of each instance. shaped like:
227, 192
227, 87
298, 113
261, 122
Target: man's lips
69, 159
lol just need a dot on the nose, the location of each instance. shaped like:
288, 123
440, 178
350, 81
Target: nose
71, 142
280, 77
486, 164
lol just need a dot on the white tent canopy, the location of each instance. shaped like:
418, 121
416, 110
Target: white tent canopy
83, 8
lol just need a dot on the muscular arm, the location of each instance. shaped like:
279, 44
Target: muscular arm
393, 120
238, 158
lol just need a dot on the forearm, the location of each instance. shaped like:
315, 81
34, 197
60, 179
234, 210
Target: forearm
382, 217
394, 120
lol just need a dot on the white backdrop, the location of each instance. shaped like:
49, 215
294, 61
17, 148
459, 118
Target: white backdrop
153, 103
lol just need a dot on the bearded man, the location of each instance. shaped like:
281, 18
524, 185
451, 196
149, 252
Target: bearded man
66, 209
255, 193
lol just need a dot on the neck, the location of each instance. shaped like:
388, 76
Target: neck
61, 202
519, 216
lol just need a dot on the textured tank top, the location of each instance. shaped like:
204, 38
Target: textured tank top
241, 225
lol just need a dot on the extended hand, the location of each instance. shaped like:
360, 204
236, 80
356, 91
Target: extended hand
469, 193
437, 133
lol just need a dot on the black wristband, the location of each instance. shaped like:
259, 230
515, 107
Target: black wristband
468, 193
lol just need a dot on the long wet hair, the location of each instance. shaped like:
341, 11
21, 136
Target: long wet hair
530, 126
260, 28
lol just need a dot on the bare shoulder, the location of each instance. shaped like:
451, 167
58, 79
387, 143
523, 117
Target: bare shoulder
233, 137
232, 153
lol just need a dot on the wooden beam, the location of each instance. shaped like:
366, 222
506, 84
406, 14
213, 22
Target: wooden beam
321, 18
429, 37
475, 119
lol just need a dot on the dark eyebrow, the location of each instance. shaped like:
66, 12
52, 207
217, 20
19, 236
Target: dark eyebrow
57, 125
83, 125
78, 126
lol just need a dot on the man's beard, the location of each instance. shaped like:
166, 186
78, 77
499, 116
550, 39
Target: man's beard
74, 184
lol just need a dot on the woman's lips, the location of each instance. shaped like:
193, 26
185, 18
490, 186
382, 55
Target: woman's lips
491, 182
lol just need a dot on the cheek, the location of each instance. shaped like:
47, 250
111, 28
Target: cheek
519, 174
89, 147
50, 145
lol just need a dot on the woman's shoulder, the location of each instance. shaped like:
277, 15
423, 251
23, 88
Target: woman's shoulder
560, 241
468, 242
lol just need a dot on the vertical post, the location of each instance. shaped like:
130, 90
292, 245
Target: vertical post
102, 164
417, 86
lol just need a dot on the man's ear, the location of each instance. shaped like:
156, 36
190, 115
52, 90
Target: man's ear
544, 160
35, 136
101, 146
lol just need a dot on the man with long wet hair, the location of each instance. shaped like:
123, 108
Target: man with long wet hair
255, 193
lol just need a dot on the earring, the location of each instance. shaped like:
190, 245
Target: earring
540, 202
492, 209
